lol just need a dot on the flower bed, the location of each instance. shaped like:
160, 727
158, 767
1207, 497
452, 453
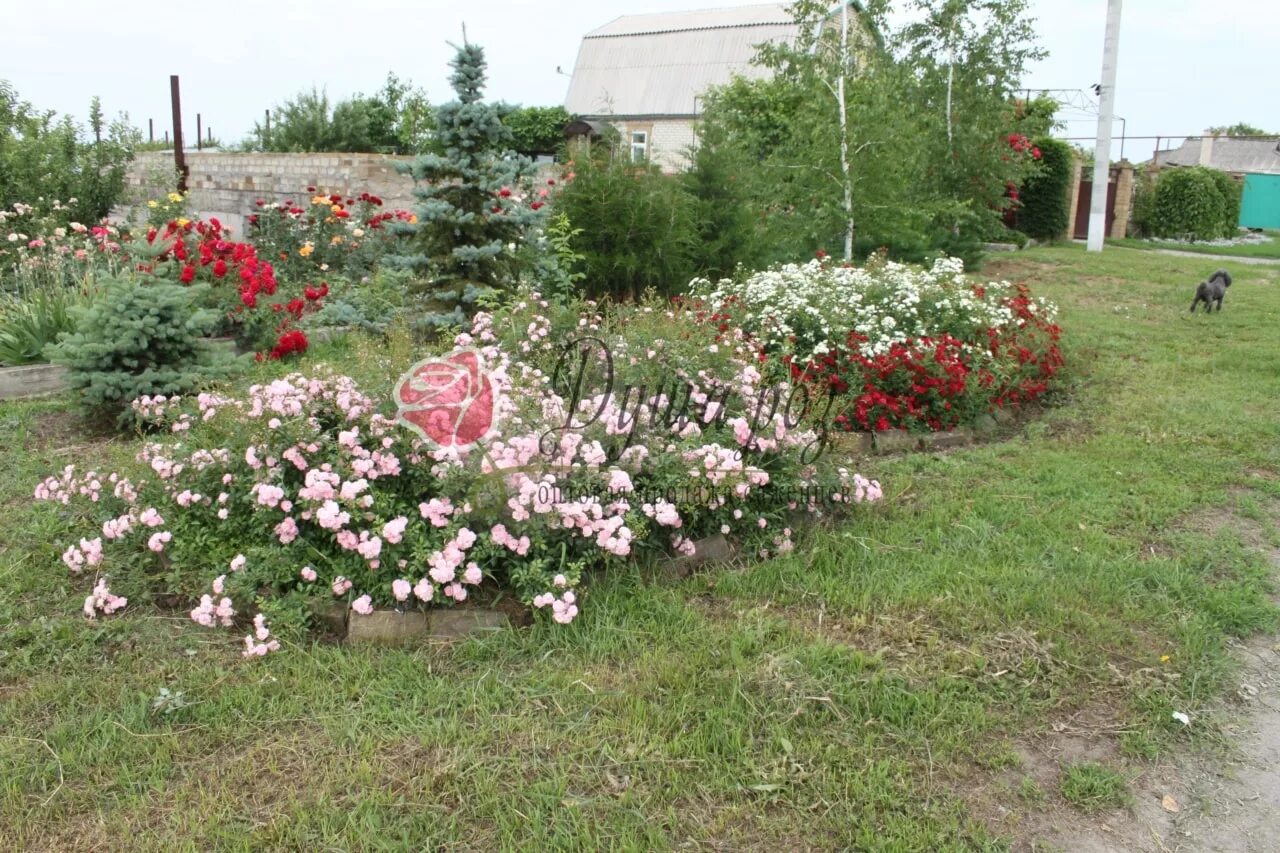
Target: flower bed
500, 472
896, 347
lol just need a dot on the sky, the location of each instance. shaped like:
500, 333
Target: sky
1185, 65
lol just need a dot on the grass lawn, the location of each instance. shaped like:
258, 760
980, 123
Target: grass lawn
1258, 250
872, 690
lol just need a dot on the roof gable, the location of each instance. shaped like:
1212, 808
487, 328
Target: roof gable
661, 64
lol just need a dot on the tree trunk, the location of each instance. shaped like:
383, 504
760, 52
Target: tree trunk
844, 133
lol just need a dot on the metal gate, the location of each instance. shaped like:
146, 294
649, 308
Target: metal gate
1260, 207
1081, 227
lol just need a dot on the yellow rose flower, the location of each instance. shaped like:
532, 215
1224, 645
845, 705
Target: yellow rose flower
306, 249
337, 238
153, 204
336, 208
175, 197
183, 221
319, 199
413, 220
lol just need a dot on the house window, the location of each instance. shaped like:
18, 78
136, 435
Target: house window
639, 146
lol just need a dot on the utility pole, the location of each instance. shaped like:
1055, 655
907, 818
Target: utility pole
1106, 114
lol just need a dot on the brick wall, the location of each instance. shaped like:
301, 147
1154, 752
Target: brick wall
228, 185
669, 140
672, 141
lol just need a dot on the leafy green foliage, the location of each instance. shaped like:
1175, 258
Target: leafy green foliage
724, 219
137, 339
1188, 203
1232, 192
637, 228
46, 156
395, 120
471, 210
1240, 128
928, 110
1036, 117
32, 321
1046, 193
537, 130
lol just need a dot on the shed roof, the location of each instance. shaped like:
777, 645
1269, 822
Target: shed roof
661, 64
1227, 154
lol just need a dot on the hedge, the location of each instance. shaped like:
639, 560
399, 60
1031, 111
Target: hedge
1047, 193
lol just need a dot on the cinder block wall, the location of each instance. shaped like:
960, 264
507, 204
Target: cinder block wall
228, 185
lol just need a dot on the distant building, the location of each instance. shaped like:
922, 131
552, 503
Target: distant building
1253, 162
647, 74
1229, 154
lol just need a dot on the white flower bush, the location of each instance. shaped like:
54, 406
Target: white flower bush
805, 309
896, 346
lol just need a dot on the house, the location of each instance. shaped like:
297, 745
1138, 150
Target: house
647, 74
1234, 155
1252, 161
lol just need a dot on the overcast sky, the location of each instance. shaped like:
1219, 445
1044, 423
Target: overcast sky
1184, 64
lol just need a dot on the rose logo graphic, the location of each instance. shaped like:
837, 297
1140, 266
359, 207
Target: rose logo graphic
449, 401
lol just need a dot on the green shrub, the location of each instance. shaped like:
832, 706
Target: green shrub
137, 339
1188, 205
639, 227
1232, 193
1046, 193
1144, 203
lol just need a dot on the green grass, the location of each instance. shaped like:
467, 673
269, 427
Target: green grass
1090, 787
1256, 250
861, 693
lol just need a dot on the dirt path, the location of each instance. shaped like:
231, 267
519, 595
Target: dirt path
1229, 804
1233, 259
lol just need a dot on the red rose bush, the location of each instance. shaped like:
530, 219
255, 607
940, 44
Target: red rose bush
894, 346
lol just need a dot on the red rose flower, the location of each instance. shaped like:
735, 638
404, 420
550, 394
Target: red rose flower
188, 273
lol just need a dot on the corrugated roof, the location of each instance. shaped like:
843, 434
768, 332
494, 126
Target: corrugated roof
699, 19
660, 65
1227, 154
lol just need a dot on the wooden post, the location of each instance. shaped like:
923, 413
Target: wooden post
151, 130
266, 133
179, 156
199, 133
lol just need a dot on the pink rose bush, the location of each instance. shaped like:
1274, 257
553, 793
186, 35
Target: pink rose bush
555, 441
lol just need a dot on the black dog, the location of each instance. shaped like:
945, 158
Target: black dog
1212, 291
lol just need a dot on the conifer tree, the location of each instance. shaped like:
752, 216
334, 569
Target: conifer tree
473, 206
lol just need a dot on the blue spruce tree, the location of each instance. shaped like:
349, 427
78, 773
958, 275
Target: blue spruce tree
472, 205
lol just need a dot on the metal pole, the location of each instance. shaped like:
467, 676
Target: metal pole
1123, 126
1106, 114
266, 135
151, 130
199, 134
179, 156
